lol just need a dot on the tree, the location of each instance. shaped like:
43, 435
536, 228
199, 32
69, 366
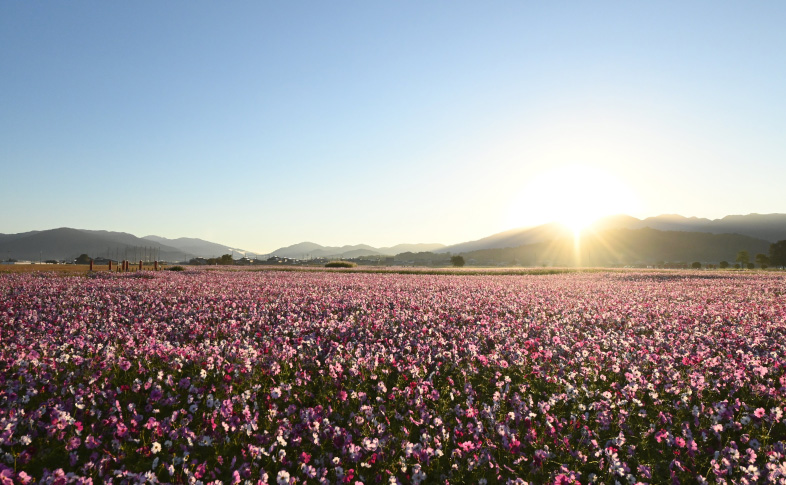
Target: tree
458, 261
723, 264
696, 265
778, 254
225, 259
751, 266
762, 260
83, 259
743, 257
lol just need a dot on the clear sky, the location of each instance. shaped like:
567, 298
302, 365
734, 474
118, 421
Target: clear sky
263, 124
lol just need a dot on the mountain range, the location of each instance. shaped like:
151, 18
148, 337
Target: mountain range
767, 227
621, 246
306, 250
611, 240
65, 244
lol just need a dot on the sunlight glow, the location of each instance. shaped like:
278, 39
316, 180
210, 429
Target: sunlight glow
573, 195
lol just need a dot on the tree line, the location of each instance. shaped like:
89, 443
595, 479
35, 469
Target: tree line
776, 259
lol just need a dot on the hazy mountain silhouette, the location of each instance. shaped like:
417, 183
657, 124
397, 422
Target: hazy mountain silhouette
611, 240
312, 250
511, 238
193, 247
66, 244
621, 246
769, 227
411, 248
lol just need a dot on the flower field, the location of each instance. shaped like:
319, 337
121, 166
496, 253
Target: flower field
316, 377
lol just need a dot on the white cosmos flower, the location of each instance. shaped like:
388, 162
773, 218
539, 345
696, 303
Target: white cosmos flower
283, 477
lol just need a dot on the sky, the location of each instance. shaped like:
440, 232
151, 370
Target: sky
264, 124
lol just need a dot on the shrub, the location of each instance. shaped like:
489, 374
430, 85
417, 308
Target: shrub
340, 264
175, 268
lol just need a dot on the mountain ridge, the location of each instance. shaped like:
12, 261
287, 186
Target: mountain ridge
194, 247
67, 243
769, 227
306, 250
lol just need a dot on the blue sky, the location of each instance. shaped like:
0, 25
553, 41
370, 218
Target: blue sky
260, 125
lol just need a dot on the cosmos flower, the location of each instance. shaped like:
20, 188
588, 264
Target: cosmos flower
393, 378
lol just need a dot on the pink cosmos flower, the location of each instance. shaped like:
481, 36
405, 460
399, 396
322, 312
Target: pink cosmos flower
24, 478
92, 443
7, 477
73, 443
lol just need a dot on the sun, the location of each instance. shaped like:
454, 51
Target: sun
572, 195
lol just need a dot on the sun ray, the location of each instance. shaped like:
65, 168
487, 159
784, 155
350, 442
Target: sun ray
574, 196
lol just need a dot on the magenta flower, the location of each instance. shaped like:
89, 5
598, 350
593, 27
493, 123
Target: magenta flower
389, 378
73, 443
91, 442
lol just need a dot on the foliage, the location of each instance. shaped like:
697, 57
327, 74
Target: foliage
83, 259
778, 254
225, 260
340, 264
175, 268
380, 378
723, 264
743, 257
762, 260
696, 265
457, 261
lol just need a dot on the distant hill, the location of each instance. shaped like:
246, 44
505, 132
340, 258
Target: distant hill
411, 248
66, 244
193, 247
307, 250
618, 247
770, 227
510, 239
612, 240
